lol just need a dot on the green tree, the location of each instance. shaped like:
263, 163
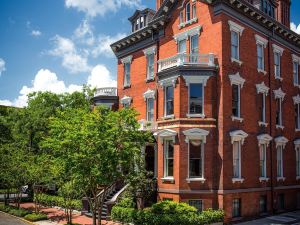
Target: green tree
98, 146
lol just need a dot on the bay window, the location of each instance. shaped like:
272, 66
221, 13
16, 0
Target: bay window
196, 92
169, 100
168, 158
195, 159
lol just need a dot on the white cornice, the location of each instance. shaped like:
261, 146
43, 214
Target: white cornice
149, 94
127, 59
238, 135
262, 88
126, 100
236, 27
149, 51
281, 141
261, 40
166, 134
279, 93
296, 58
297, 142
184, 35
264, 139
237, 79
278, 49
296, 99
195, 134
189, 79
168, 81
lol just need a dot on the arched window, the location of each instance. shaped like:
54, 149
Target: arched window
188, 12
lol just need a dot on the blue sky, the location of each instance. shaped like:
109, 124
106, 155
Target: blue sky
58, 45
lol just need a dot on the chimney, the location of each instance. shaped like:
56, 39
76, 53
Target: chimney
283, 12
158, 4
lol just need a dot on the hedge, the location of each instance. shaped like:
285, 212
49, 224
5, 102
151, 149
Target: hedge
52, 200
36, 217
14, 210
166, 213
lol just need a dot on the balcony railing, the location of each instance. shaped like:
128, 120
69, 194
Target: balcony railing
147, 125
187, 59
107, 91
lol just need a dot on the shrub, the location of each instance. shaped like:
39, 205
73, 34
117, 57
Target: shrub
165, 213
126, 203
6, 208
19, 212
36, 217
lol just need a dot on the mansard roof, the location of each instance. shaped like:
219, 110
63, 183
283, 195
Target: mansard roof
161, 17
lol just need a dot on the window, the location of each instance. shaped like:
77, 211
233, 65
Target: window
198, 204
279, 111
169, 100
126, 74
262, 164
236, 207
137, 24
196, 98
236, 159
150, 109
182, 46
279, 161
280, 201
194, 11
297, 116
150, 66
235, 45
142, 22
296, 72
195, 159
267, 8
194, 50
277, 64
181, 17
262, 107
298, 161
260, 57
263, 204
169, 158
188, 12
236, 100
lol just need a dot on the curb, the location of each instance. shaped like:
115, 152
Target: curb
23, 220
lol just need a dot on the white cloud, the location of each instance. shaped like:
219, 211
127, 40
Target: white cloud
295, 28
72, 60
103, 45
2, 66
44, 80
36, 33
84, 33
93, 8
101, 77
6, 102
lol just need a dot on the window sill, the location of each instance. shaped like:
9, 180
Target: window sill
297, 130
189, 180
234, 118
297, 85
184, 24
264, 179
149, 79
127, 86
195, 115
236, 180
298, 178
168, 179
280, 178
262, 124
279, 78
279, 127
262, 71
169, 117
236, 61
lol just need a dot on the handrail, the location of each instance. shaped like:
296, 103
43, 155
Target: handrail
117, 195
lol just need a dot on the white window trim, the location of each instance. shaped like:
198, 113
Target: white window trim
297, 148
279, 94
264, 139
263, 42
263, 89
126, 100
126, 60
296, 59
277, 49
188, 33
264, 178
239, 136
167, 178
166, 133
237, 80
196, 80
234, 27
196, 134
149, 94
280, 142
296, 100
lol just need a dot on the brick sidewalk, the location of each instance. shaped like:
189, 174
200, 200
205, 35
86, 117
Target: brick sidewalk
58, 215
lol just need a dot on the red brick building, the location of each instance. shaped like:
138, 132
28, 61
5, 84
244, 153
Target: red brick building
217, 81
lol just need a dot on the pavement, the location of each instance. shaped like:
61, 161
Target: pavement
291, 218
6, 219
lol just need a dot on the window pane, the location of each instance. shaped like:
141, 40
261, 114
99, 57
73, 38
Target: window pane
194, 11
236, 207
182, 46
150, 65
295, 72
279, 161
263, 204
196, 98
235, 100
236, 159
198, 204
169, 100
260, 63
150, 109
195, 165
263, 160
188, 12
169, 158
234, 45
194, 48
127, 74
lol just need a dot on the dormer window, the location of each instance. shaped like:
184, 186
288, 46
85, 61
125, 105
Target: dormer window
141, 18
268, 8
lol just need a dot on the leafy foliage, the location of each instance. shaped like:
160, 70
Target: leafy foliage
36, 217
